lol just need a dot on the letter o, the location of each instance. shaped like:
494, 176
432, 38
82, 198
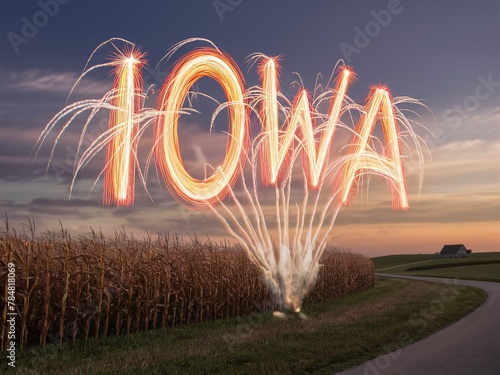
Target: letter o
212, 63
386, 361
437, 306
36, 19
369, 28
471, 103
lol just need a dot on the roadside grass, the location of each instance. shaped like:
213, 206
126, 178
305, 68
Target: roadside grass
400, 264
483, 272
395, 262
337, 334
78, 287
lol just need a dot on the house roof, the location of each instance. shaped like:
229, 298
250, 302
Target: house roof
452, 249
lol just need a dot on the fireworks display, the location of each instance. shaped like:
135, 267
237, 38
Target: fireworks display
276, 145
289, 261
206, 62
364, 160
119, 176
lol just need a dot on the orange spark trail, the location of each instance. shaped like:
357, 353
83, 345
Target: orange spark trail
362, 159
212, 63
290, 262
119, 175
277, 144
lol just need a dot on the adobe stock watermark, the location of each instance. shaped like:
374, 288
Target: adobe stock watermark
420, 320
247, 325
155, 75
223, 6
454, 116
202, 159
372, 29
40, 357
30, 26
11, 314
65, 168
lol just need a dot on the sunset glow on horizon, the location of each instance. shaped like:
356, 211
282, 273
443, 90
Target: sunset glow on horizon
141, 165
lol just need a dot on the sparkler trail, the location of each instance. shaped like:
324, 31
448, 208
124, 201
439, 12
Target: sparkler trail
276, 145
303, 218
365, 160
290, 264
124, 102
205, 62
119, 176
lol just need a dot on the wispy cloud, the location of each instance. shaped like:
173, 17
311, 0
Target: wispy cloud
460, 186
49, 81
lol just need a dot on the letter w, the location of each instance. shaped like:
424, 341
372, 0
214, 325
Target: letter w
276, 144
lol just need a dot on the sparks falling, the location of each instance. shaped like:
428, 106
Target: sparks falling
277, 145
123, 101
303, 218
121, 153
290, 262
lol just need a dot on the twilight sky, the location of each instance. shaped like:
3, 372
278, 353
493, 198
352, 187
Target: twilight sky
445, 53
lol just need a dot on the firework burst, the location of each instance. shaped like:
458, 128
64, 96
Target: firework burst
121, 153
124, 101
284, 233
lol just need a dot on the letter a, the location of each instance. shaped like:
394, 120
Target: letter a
16, 40
362, 159
221, 8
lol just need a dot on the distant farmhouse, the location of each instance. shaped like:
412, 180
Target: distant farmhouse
454, 251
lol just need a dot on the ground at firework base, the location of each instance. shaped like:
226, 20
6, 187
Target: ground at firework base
335, 336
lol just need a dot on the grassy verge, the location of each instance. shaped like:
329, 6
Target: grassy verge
489, 272
478, 266
337, 334
96, 286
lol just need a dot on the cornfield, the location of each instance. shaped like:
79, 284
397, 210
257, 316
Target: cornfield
93, 286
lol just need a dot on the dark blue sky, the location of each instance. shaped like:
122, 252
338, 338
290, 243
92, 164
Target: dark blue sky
435, 48
446, 53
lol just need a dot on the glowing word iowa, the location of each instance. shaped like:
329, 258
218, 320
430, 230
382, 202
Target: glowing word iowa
286, 236
276, 143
